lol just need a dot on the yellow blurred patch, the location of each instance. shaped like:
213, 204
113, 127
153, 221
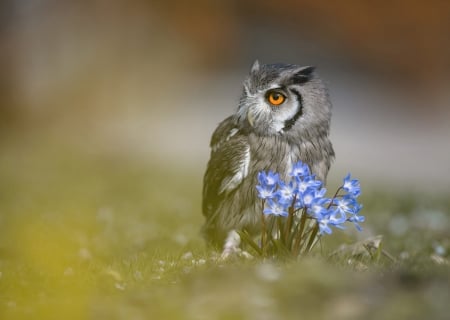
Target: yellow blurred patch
45, 247
54, 287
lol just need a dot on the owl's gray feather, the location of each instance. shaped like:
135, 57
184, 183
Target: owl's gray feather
261, 136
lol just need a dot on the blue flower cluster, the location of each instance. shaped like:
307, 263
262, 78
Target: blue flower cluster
304, 192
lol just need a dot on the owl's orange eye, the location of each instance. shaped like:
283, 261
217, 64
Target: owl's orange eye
275, 98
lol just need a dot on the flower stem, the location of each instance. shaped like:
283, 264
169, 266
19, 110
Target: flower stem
334, 197
300, 232
290, 220
312, 238
280, 229
263, 233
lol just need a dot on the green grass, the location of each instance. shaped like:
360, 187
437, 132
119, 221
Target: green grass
104, 235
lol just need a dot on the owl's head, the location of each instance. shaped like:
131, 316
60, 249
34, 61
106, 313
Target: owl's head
284, 99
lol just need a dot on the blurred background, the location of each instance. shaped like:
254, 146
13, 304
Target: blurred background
106, 111
150, 80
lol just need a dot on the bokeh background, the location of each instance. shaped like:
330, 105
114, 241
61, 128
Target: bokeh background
106, 111
151, 79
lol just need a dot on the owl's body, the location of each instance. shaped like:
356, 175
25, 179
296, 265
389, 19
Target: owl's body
283, 117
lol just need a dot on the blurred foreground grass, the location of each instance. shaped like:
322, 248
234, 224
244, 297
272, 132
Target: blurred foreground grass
98, 235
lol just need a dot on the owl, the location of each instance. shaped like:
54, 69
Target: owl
283, 117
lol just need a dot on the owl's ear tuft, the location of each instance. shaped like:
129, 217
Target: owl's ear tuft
303, 74
255, 67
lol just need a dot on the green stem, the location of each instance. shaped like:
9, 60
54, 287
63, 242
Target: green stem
300, 232
290, 220
312, 237
248, 240
264, 231
280, 229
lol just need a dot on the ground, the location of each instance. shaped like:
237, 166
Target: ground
98, 235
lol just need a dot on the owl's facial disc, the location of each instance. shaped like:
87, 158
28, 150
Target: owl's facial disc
273, 99
273, 110
257, 114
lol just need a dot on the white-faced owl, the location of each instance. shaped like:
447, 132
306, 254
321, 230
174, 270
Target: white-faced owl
283, 117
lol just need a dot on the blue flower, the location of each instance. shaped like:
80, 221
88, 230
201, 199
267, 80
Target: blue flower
309, 195
308, 182
357, 207
307, 198
299, 170
348, 206
276, 208
332, 218
345, 204
316, 207
354, 218
286, 192
267, 184
323, 227
266, 192
268, 179
351, 186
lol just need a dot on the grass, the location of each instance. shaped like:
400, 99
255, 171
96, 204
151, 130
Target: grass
107, 236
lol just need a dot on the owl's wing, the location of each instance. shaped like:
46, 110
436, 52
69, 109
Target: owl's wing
227, 167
